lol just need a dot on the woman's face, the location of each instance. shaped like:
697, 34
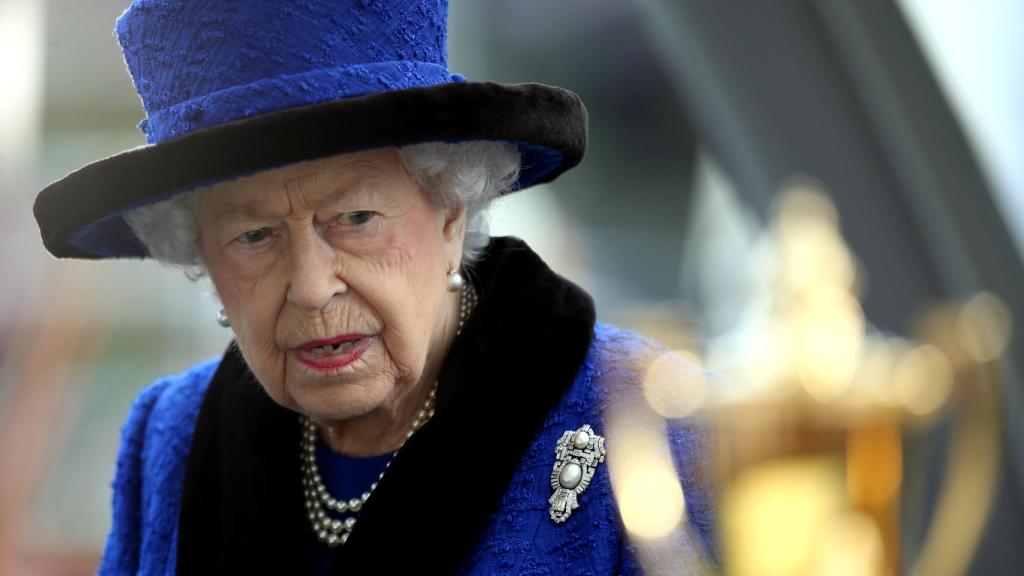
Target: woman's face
333, 276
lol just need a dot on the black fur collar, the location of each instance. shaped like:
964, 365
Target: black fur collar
242, 509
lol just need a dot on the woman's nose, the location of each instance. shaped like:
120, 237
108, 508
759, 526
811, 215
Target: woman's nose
314, 277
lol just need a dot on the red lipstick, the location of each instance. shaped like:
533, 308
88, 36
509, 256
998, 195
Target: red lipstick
332, 354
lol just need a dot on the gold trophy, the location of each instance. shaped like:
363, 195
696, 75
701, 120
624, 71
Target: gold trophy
808, 409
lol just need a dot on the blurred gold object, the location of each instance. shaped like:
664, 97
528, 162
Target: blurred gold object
984, 327
808, 407
769, 505
809, 424
806, 493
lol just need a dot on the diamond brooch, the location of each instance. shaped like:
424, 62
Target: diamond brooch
577, 454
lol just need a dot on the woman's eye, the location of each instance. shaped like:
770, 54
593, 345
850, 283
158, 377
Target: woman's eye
255, 236
355, 218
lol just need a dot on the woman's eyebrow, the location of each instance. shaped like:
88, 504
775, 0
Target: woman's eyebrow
352, 183
241, 210
350, 179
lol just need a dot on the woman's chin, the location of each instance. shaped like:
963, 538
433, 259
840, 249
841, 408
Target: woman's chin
339, 402
337, 393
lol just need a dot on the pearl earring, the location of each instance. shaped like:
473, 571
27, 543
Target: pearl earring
222, 318
455, 280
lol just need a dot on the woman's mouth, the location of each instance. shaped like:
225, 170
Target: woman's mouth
332, 354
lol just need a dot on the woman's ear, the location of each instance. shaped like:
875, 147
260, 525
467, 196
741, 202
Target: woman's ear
454, 232
455, 223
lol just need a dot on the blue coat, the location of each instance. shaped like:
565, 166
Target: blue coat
192, 491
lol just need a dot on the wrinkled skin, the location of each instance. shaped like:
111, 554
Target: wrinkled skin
349, 244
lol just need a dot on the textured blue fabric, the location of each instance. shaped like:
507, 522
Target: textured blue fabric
155, 441
521, 538
200, 63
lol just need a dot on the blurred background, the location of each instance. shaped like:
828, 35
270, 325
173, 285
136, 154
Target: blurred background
907, 114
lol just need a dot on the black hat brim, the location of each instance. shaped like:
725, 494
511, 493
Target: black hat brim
79, 215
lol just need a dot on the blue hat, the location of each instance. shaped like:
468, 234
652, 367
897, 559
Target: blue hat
233, 87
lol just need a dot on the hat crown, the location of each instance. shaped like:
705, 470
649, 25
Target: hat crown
199, 63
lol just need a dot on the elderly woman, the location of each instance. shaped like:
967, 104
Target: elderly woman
403, 393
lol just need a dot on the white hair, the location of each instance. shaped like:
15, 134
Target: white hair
467, 174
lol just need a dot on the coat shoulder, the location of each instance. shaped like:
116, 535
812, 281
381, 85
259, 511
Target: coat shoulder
621, 360
612, 343
658, 394
523, 539
165, 410
172, 396
155, 440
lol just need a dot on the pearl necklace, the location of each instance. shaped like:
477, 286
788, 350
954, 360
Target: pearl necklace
331, 530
